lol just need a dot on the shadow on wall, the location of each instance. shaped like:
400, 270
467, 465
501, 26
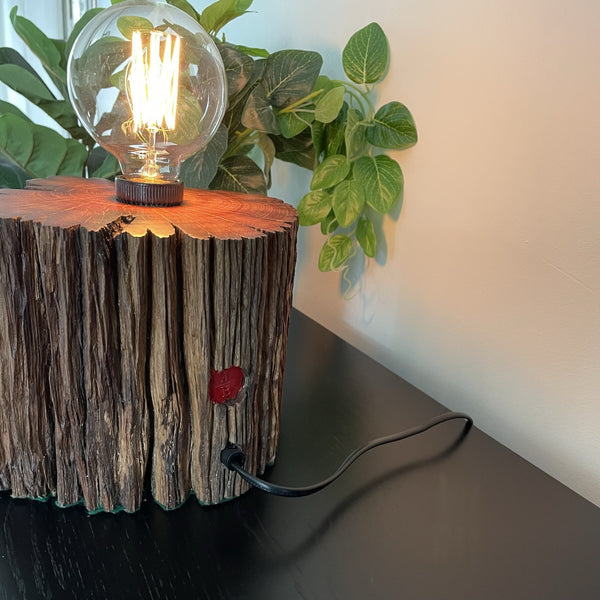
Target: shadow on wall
357, 265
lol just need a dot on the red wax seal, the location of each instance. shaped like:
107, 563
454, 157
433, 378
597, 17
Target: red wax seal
225, 385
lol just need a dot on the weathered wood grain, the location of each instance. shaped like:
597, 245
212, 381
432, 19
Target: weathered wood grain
114, 317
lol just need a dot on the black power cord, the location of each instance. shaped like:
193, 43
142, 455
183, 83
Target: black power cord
233, 457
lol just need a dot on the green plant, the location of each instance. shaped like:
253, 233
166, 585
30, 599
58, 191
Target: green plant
280, 106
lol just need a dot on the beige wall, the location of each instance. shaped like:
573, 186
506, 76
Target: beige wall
489, 299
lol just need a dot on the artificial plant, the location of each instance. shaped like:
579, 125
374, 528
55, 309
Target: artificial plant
280, 107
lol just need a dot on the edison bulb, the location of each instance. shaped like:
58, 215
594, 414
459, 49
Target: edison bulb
149, 85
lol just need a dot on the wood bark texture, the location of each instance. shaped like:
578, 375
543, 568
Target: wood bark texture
114, 318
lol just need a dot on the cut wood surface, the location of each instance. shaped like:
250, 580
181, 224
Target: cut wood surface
114, 318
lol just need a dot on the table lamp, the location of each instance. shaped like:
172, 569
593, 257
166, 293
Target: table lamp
144, 325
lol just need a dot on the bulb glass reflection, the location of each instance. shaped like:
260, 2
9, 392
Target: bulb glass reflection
148, 83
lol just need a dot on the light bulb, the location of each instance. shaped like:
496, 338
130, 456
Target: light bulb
149, 85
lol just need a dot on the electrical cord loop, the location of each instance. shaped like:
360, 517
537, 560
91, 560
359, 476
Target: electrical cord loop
233, 457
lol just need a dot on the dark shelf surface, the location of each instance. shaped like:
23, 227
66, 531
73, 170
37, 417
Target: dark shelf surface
411, 520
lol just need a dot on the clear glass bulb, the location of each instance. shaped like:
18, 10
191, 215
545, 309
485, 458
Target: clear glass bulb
149, 85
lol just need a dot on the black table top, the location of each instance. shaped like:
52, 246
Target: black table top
411, 520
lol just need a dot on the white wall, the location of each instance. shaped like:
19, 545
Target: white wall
489, 299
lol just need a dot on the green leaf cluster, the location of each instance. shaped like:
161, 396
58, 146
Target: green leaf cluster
280, 106
352, 175
30, 150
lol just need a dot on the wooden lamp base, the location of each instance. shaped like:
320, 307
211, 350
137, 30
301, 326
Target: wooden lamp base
137, 341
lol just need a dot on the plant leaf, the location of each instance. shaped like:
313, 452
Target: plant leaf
328, 106
42, 47
330, 172
16, 140
101, 163
74, 159
34, 89
258, 113
334, 253
238, 68
393, 127
17, 74
314, 207
290, 75
11, 175
329, 224
382, 180
325, 84
317, 131
334, 133
215, 16
99, 62
294, 122
348, 201
38, 150
233, 120
26, 84
189, 111
265, 143
298, 150
8, 56
250, 51
129, 23
8, 108
237, 101
366, 55
61, 46
85, 19
186, 7
23, 80
365, 234
200, 169
239, 174
354, 134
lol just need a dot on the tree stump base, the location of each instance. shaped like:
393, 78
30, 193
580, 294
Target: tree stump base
135, 342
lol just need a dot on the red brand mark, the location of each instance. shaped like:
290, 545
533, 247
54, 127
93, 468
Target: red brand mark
225, 385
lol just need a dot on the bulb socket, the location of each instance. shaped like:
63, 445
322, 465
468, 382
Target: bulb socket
131, 191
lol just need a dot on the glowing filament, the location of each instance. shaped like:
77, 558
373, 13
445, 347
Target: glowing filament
153, 81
